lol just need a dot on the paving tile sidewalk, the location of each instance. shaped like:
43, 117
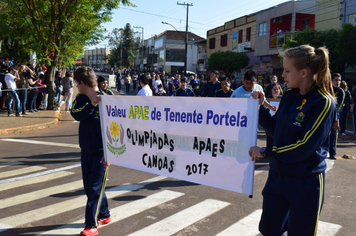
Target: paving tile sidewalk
33, 121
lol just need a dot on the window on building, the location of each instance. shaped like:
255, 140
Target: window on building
223, 40
175, 55
212, 43
352, 19
305, 23
248, 34
262, 29
240, 36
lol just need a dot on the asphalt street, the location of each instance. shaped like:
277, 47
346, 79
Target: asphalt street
41, 193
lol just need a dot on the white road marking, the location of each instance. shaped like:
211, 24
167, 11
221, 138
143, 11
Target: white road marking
20, 171
328, 229
35, 180
182, 219
38, 174
121, 212
31, 196
41, 142
247, 226
61, 207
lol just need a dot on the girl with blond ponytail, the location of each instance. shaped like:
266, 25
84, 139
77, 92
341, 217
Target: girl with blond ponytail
294, 191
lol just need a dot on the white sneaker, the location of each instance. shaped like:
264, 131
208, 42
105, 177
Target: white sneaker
343, 134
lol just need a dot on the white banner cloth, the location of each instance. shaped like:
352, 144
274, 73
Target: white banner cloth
201, 140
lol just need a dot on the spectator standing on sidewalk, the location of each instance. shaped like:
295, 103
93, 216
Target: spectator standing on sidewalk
67, 83
59, 87
346, 108
44, 102
10, 80
22, 84
94, 168
33, 82
340, 97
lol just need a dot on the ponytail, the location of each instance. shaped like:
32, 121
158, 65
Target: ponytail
317, 61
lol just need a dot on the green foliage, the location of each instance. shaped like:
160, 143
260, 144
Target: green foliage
62, 27
228, 61
123, 42
339, 43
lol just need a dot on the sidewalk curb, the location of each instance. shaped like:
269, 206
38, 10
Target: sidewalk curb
30, 127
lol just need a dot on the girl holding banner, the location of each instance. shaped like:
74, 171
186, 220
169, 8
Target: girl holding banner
294, 191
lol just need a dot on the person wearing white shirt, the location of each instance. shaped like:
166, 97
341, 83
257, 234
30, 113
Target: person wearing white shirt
250, 85
145, 90
10, 80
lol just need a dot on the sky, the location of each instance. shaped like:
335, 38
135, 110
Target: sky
203, 15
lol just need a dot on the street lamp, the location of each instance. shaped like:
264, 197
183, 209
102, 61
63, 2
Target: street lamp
185, 42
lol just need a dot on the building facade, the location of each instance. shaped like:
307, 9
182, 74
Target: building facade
166, 51
327, 14
278, 22
97, 58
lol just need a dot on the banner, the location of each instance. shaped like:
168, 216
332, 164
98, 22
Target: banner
200, 140
112, 81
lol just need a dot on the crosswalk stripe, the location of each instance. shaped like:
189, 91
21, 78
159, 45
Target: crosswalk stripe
31, 196
35, 180
40, 142
121, 212
328, 229
13, 163
247, 226
182, 219
58, 208
38, 174
21, 171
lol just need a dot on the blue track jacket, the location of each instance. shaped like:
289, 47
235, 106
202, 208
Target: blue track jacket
89, 127
300, 130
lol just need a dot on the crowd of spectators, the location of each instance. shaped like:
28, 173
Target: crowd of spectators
23, 88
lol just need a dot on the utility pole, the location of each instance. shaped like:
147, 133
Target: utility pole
142, 43
186, 34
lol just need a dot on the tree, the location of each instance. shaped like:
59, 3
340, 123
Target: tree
338, 42
123, 42
61, 27
228, 61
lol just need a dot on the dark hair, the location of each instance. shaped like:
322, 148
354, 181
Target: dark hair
69, 73
316, 60
10, 68
275, 85
224, 78
101, 79
144, 79
343, 85
215, 72
333, 75
250, 75
183, 79
85, 75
